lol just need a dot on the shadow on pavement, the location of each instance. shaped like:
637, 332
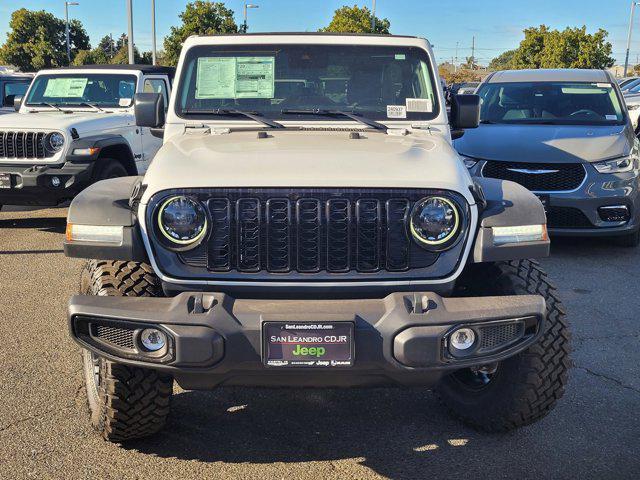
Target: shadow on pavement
398, 433
43, 224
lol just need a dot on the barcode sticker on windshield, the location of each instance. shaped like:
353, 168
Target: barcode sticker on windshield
423, 105
603, 85
611, 117
396, 111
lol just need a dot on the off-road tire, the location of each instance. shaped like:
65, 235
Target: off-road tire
630, 240
527, 386
124, 402
106, 168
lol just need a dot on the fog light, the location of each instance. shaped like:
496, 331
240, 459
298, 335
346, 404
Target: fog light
55, 181
462, 338
153, 339
614, 213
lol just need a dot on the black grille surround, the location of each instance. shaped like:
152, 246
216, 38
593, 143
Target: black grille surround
24, 145
302, 234
567, 217
561, 177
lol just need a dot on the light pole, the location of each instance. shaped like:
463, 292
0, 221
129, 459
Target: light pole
66, 27
153, 32
132, 59
373, 17
626, 58
247, 6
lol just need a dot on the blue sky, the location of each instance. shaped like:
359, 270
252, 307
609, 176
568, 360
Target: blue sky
496, 24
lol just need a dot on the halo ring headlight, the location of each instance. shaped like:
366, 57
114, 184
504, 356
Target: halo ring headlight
435, 222
182, 222
54, 142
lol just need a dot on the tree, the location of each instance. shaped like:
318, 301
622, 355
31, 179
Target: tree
356, 20
108, 46
199, 18
97, 56
122, 56
569, 48
502, 61
37, 40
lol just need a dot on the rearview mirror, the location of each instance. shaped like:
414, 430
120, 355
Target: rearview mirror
465, 113
149, 110
17, 102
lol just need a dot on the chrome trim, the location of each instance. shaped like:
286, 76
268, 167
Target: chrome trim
462, 264
584, 179
531, 171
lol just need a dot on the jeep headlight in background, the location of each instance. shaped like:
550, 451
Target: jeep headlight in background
182, 221
617, 165
435, 223
54, 142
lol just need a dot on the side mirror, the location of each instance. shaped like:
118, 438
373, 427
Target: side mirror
149, 110
17, 102
465, 113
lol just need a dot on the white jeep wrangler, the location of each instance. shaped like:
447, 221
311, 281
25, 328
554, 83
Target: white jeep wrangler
73, 127
308, 223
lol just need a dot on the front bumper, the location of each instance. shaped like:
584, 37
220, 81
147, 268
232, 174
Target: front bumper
214, 339
44, 185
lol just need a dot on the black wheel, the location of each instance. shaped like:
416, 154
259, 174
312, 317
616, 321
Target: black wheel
108, 168
630, 240
522, 389
124, 402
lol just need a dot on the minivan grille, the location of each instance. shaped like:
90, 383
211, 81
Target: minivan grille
309, 231
23, 145
542, 177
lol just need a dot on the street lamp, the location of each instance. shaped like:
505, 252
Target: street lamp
247, 6
626, 58
66, 28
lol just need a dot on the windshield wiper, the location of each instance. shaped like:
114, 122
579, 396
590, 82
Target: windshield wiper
46, 104
231, 112
332, 113
86, 104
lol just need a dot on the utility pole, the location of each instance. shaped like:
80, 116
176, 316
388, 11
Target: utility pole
153, 32
455, 64
66, 27
373, 17
626, 58
247, 6
111, 44
473, 51
132, 58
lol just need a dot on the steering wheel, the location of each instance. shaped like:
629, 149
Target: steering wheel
586, 112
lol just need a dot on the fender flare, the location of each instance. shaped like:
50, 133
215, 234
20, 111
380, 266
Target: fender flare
103, 143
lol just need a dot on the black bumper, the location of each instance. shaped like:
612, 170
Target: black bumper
44, 185
215, 339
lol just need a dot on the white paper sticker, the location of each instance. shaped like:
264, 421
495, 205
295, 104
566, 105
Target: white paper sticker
396, 111
422, 105
611, 117
400, 56
124, 102
65, 87
603, 85
235, 77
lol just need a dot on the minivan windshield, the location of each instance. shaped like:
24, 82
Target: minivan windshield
291, 81
81, 89
558, 103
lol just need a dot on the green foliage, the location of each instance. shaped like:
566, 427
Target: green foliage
97, 56
199, 18
502, 61
569, 48
356, 20
122, 56
108, 46
36, 40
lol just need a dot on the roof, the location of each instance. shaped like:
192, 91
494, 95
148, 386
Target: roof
142, 68
315, 34
549, 75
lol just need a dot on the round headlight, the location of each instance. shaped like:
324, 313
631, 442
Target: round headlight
182, 220
435, 222
55, 141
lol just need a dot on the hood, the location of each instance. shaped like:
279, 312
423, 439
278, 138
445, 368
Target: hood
291, 158
545, 143
83, 122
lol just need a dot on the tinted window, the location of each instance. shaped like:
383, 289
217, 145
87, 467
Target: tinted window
104, 90
550, 102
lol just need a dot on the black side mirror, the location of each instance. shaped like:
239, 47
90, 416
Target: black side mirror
17, 102
149, 110
465, 113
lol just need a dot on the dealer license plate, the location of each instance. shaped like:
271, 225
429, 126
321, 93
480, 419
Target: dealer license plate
321, 344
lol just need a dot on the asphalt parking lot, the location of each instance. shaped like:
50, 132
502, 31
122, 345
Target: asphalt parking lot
379, 433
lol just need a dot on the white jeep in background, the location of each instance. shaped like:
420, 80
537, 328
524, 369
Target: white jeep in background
73, 127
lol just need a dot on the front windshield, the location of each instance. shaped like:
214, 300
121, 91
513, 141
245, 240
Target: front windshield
75, 89
378, 82
560, 103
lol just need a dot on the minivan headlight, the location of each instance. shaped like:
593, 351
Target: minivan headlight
617, 165
435, 222
468, 161
182, 221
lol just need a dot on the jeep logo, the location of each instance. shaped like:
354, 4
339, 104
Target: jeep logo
312, 351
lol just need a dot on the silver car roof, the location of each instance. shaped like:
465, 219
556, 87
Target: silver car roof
549, 75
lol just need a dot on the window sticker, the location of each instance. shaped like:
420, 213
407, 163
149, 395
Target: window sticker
400, 56
396, 111
235, 77
422, 105
611, 117
66, 87
124, 102
603, 85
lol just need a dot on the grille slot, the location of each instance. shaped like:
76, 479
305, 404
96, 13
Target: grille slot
497, 336
23, 145
567, 217
561, 176
120, 337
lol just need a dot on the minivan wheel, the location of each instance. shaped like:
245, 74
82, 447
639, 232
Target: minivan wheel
524, 388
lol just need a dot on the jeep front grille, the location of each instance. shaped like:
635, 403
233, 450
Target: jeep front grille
21, 145
538, 177
310, 231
